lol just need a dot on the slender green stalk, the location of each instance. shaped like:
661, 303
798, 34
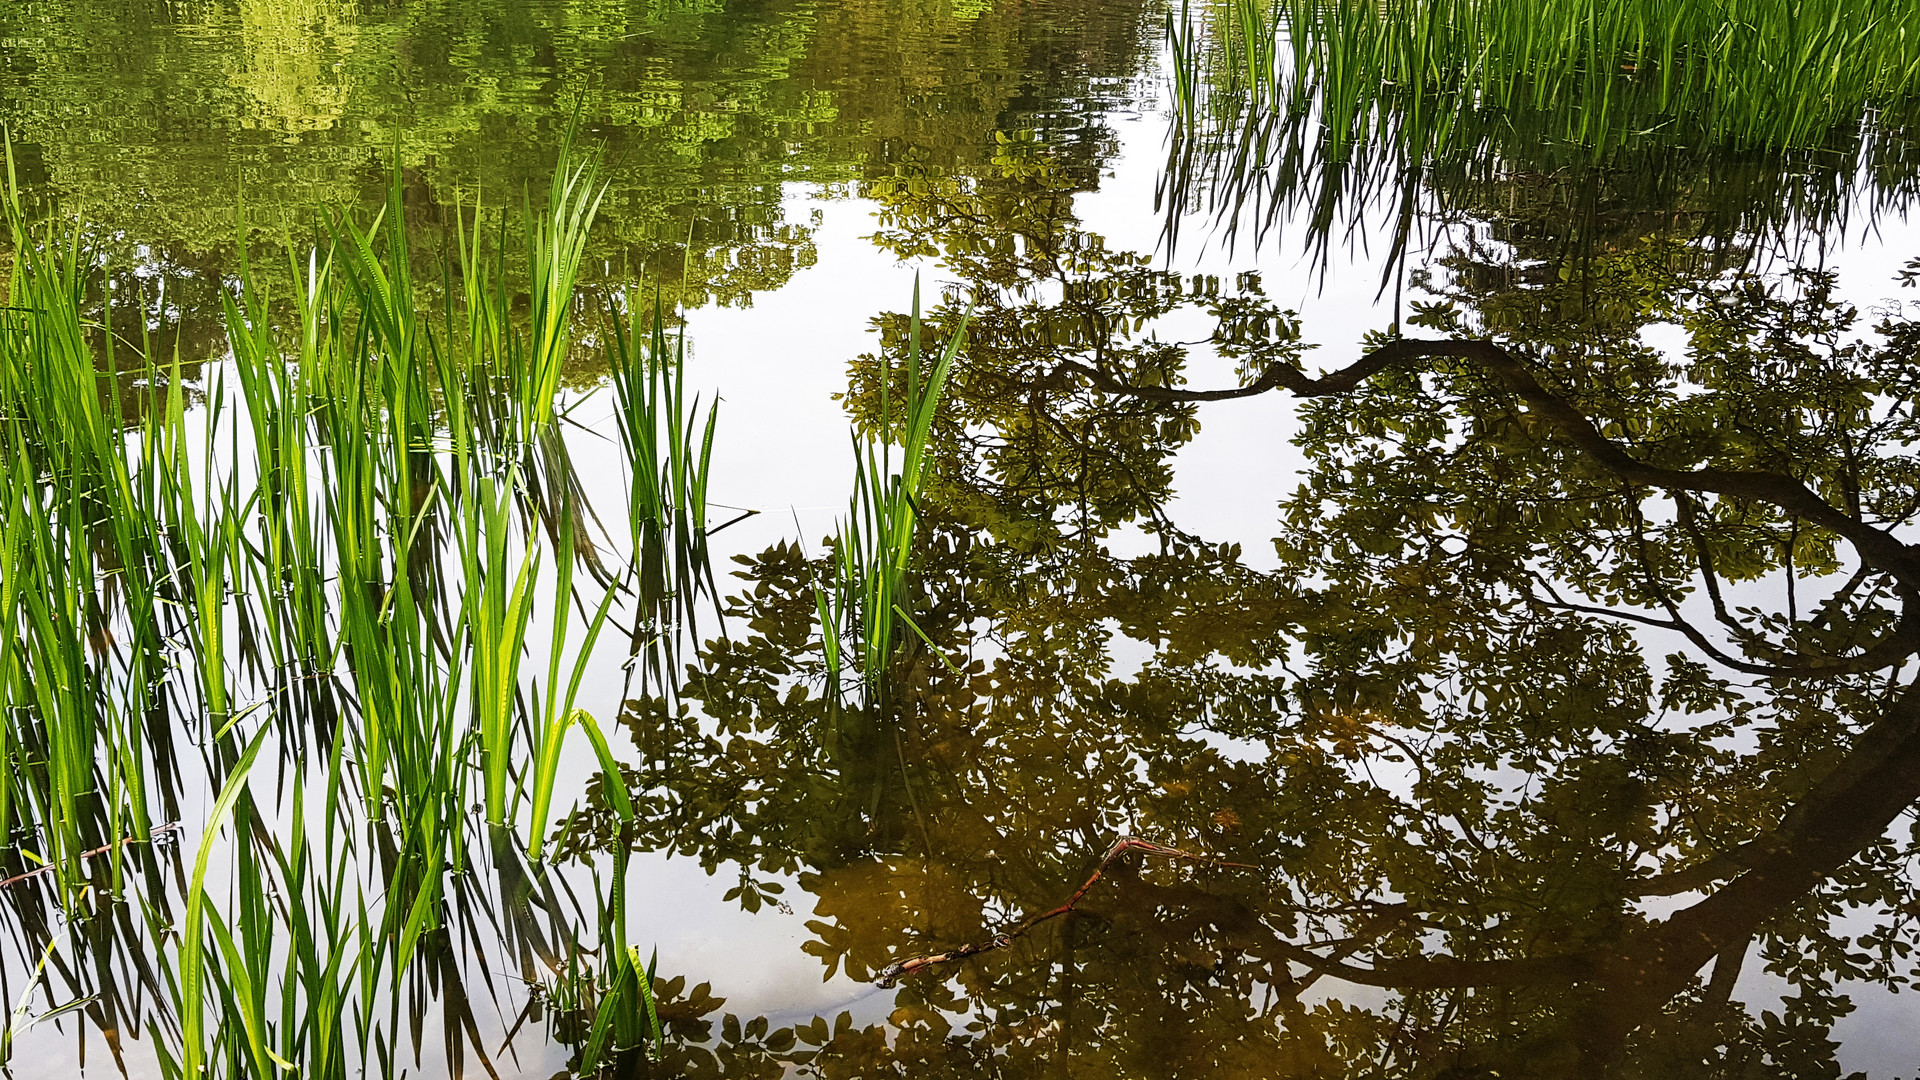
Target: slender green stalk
555, 242
553, 708
496, 618
668, 441
871, 596
193, 925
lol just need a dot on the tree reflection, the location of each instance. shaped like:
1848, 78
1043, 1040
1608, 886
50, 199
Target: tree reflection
1582, 684
175, 129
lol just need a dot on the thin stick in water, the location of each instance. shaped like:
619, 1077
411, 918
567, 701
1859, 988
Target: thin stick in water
893, 973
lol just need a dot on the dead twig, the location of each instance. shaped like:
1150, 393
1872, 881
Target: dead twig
893, 973
85, 855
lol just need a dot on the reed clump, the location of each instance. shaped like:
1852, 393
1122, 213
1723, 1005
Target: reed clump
1758, 74
668, 440
866, 607
1328, 106
327, 574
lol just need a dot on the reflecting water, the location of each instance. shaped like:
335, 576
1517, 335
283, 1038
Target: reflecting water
704, 111
1557, 721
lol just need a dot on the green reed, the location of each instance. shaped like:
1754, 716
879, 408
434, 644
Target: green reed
1332, 104
57, 758
668, 441
341, 547
1184, 68
870, 599
555, 241
1771, 74
499, 599
71, 778
626, 1016
551, 713
192, 963
277, 397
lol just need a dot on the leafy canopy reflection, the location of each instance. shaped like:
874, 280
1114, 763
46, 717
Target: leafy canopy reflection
1580, 683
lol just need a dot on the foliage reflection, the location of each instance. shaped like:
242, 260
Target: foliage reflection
1580, 687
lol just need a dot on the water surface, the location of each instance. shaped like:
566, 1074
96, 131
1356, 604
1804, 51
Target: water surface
1283, 641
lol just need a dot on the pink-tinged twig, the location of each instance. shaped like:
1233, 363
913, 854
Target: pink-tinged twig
893, 973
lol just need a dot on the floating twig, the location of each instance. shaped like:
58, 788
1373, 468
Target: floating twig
85, 855
893, 973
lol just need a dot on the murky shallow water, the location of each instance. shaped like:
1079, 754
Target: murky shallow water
1134, 678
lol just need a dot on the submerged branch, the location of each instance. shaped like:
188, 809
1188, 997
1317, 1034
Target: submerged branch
894, 972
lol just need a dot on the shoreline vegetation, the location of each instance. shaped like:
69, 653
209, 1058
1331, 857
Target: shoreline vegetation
314, 592
355, 588
1749, 121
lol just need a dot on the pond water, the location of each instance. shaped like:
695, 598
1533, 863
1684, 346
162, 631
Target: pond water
1536, 707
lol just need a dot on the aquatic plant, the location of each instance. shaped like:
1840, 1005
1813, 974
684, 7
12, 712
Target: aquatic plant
868, 602
338, 546
668, 440
1762, 74
1334, 108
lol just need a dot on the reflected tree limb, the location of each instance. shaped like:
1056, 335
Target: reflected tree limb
1876, 546
1844, 812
